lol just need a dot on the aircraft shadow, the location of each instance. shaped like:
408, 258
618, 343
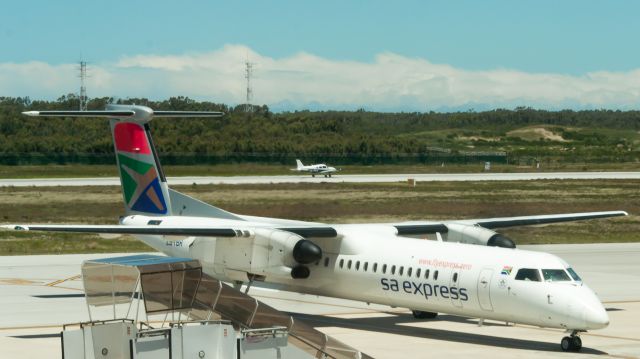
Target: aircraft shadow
393, 324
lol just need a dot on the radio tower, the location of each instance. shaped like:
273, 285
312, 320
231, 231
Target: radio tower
247, 74
83, 88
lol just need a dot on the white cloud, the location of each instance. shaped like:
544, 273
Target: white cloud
391, 81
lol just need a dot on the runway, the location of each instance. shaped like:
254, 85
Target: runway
39, 293
340, 178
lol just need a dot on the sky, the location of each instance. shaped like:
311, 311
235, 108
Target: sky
376, 55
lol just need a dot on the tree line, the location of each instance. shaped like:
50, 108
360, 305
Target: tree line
342, 137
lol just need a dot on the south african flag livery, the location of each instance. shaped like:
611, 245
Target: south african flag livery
506, 270
141, 184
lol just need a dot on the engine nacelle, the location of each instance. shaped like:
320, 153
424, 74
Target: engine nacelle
465, 233
290, 249
261, 252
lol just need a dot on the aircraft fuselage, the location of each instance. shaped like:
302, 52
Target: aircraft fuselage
369, 263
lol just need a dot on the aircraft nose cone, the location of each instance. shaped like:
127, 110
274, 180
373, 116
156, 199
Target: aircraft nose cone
594, 315
596, 318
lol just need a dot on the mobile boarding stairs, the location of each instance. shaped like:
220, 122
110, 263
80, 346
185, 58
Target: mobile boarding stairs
151, 306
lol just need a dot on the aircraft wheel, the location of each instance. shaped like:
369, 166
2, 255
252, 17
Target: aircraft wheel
577, 343
418, 314
566, 344
313, 175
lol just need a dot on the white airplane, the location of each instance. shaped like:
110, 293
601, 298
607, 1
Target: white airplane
460, 267
319, 169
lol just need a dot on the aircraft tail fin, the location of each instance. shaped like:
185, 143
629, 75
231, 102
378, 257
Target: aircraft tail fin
144, 186
299, 164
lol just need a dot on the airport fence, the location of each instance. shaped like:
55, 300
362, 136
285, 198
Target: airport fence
35, 158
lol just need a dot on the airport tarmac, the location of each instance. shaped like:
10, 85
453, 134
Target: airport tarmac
39, 293
339, 178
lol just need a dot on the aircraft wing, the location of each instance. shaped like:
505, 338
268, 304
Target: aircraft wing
405, 228
503, 222
168, 230
415, 228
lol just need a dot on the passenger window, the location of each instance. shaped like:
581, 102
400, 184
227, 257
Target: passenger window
529, 274
326, 262
375, 267
435, 275
409, 272
401, 270
418, 273
426, 274
366, 264
358, 265
555, 275
341, 263
349, 264
393, 269
455, 277
384, 269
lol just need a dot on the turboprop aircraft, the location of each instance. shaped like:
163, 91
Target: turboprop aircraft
460, 267
320, 169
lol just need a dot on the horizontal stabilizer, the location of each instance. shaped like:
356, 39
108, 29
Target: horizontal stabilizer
110, 114
187, 114
122, 113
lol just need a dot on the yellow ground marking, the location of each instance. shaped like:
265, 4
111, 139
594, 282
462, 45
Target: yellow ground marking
53, 284
18, 281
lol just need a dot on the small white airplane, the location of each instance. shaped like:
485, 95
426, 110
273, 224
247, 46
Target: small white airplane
460, 267
319, 169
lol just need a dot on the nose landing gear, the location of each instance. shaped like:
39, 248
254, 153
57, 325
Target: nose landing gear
572, 343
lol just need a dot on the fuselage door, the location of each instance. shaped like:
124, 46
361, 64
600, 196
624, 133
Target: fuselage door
484, 289
454, 283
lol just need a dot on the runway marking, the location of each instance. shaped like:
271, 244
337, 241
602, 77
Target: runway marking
53, 284
611, 337
622, 302
31, 327
591, 334
18, 281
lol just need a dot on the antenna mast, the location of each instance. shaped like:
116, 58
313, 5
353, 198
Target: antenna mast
83, 88
247, 74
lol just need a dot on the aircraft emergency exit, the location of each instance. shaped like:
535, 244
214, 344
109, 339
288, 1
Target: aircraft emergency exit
318, 169
461, 267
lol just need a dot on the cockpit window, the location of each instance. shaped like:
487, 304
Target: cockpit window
555, 275
529, 274
574, 275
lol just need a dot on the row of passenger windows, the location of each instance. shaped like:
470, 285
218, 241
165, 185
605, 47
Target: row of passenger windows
365, 267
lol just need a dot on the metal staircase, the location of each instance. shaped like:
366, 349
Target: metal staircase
175, 291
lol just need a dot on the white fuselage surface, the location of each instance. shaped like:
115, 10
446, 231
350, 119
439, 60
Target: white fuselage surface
371, 263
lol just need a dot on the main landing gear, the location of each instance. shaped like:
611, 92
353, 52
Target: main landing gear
572, 343
418, 314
